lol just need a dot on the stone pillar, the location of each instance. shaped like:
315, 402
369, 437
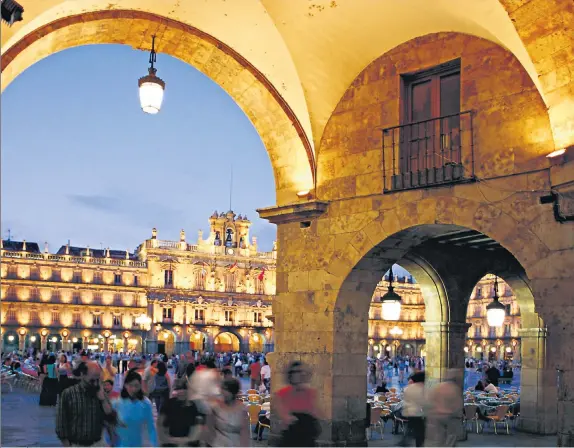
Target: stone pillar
244, 343
43, 342
209, 342
106, 343
444, 349
21, 342
125, 344
537, 386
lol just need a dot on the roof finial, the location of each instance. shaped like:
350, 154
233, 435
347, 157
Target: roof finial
182, 235
68, 248
108, 252
88, 251
46, 247
154, 233
127, 254
24, 245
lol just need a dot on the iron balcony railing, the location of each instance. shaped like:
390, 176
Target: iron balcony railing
428, 153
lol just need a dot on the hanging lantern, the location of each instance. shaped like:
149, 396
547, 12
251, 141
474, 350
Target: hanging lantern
391, 301
151, 87
495, 311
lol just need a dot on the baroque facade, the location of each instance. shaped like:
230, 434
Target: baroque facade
214, 295
407, 335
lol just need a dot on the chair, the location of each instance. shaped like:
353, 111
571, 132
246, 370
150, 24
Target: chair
376, 420
254, 398
393, 390
500, 416
253, 410
471, 415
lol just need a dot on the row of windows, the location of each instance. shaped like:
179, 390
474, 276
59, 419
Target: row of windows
77, 276
167, 313
200, 278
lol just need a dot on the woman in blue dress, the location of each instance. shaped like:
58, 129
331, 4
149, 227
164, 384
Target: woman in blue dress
136, 426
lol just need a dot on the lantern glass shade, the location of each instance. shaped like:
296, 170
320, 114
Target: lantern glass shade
151, 90
391, 309
10, 338
54, 339
33, 338
495, 313
74, 340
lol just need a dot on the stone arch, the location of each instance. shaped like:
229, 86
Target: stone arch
257, 342
226, 341
166, 341
290, 150
387, 230
431, 285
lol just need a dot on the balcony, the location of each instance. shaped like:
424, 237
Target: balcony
428, 153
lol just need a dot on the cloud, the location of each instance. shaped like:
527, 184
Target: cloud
137, 211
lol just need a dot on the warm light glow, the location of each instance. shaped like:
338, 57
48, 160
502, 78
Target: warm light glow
479, 349
165, 335
107, 334
493, 349
33, 339
86, 333
22, 332
556, 153
303, 193
508, 349
197, 335
44, 333
376, 348
495, 317
54, 339
391, 310
126, 335
65, 333
466, 349
255, 337
74, 340
11, 338
151, 94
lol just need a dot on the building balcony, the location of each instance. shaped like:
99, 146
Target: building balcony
428, 153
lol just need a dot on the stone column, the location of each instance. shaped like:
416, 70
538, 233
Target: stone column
21, 342
538, 384
209, 343
444, 349
125, 344
43, 342
106, 343
244, 343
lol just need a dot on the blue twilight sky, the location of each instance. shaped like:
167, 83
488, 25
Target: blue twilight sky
81, 161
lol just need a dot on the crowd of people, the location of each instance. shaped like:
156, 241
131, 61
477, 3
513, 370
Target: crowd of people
381, 369
114, 399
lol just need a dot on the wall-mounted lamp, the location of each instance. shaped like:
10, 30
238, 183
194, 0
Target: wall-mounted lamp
304, 194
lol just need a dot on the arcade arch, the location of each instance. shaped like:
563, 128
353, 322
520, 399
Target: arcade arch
226, 342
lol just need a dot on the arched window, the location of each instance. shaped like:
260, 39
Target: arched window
229, 238
230, 281
200, 279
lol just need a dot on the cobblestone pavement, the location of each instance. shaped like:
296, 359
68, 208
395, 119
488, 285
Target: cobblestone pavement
25, 423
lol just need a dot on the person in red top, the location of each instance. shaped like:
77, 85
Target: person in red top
296, 406
255, 368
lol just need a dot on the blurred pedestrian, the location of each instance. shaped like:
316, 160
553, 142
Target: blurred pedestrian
445, 411
296, 406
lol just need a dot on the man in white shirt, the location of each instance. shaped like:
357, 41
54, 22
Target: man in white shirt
491, 388
266, 375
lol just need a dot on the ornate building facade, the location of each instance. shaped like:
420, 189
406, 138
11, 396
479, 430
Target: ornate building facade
168, 296
215, 295
407, 335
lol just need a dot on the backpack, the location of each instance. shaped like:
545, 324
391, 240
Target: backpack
161, 386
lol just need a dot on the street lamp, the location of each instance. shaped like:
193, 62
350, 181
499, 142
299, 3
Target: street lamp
144, 321
391, 301
151, 87
495, 311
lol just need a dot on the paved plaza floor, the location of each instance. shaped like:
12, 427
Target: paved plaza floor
25, 423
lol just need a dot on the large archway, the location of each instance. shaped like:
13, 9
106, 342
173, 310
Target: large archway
289, 149
226, 342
